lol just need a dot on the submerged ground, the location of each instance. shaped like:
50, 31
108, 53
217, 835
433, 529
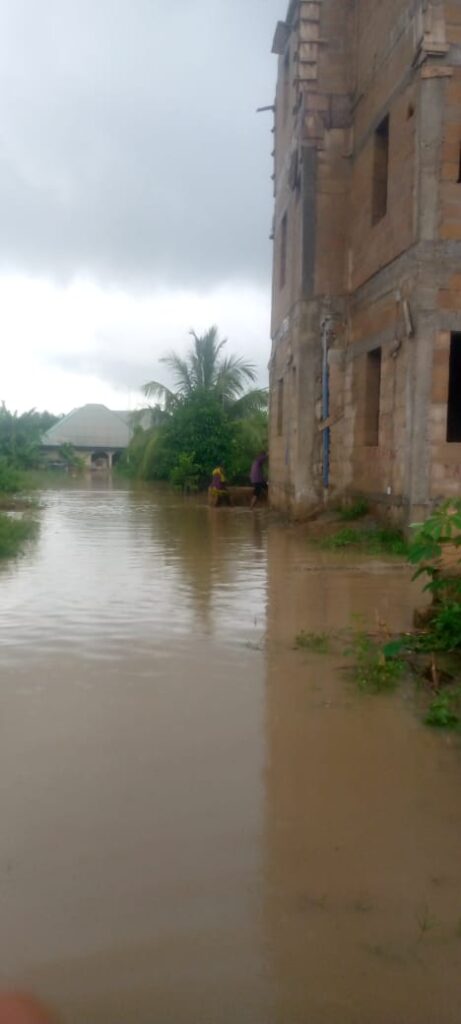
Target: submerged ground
199, 822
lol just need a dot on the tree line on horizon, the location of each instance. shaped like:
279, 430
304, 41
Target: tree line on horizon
20, 440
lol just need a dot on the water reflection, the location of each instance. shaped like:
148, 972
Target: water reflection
363, 825
216, 550
112, 563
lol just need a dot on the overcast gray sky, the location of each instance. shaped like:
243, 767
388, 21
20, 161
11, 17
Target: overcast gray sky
135, 193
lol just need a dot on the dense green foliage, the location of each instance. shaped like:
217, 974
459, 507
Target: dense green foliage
374, 671
209, 419
196, 437
355, 510
432, 654
70, 458
373, 541
249, 437
430, 539
20, 436
10, 478
441, 639
186, 473
13, 534
443, 712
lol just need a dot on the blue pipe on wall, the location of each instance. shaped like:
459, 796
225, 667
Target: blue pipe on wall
325, 406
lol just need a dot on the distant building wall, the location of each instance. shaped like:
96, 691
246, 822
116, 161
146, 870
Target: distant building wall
92, 458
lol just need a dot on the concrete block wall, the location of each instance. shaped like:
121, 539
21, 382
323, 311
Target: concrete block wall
394, 284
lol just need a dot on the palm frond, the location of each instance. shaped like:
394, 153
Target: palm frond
153, 389
252, 402
232, 377
181, 372
204, 358
204, 369
148, 417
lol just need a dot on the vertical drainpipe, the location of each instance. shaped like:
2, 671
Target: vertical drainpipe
325, 333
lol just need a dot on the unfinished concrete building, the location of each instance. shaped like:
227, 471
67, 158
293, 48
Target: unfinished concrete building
366, 318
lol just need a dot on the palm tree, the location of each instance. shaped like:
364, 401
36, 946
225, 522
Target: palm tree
205, 370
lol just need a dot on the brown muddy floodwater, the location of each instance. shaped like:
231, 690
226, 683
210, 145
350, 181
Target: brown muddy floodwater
199, 824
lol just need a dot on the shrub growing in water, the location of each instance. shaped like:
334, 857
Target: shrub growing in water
318, 643
10, 478
186, 473
13, 535
383, 540
442, 713
374, 671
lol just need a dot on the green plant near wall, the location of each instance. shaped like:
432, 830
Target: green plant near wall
383, 540
429, 540
374, 671
444, 711
442, 529
355, 510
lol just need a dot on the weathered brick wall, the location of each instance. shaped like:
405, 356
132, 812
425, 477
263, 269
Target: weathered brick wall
445, 457
372, 246
452, 11
384, 48
450, 222
287, 200
390, 282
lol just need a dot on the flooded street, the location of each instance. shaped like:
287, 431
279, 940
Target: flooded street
199, 823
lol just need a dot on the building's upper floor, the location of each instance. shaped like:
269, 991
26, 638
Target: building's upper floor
350, 136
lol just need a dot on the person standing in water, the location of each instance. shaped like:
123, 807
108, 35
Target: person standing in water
218, 490
258, 479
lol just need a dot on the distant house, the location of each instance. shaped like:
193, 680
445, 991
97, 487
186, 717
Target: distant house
98, 435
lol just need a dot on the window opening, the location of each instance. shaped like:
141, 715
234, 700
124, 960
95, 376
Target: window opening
280, 389
380, 171
454, 391
459, 166
372, 397
286, 83
283, 250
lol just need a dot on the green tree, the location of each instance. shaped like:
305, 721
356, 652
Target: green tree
69, 455
186, 473
250, 436
210, 416
20, 436
199, 428
206, 371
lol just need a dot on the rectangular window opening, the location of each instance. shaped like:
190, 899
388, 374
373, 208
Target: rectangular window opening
372, 397
286, 83
459, 166
283, 250
380, 171
280, 407
454, 391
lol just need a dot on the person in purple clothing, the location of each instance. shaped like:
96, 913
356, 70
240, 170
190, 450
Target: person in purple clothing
258, 479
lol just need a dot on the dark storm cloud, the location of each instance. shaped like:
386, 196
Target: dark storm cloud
129, 145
